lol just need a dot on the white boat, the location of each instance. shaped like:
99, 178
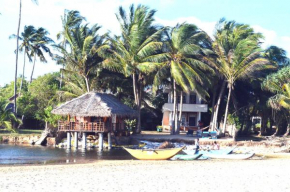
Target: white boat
230, 156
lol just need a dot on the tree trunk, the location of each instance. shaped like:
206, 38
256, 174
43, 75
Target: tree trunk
33, 67
218, 105
213, 106
174, 108
61, 77
180, 113
87, 84
22, 74
16, 63
137, 91
227, 108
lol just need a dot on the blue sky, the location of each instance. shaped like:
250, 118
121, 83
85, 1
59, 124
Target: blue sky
270, 17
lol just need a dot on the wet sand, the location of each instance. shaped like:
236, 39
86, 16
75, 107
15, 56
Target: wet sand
133, 175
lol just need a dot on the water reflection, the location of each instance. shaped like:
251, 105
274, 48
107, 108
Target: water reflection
19, 154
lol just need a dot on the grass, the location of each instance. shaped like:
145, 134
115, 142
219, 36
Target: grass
21, 132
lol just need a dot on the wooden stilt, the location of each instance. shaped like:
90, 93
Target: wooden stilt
76, 140
109, 141
84, 141
101, 141
68, 140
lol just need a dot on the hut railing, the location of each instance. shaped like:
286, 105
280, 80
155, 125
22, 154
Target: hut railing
83, 126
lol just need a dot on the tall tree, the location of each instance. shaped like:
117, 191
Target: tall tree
17, 47
181, 61
83, 56
70, 20
40, 45
131, 52
28, 37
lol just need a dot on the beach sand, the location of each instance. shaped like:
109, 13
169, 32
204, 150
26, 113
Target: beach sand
133, 175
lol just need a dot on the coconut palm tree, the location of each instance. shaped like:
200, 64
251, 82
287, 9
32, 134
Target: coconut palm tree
83, 55
238, 63
228, 35
28, 37
70, 20
40, 45
181, 62
130, 53
17, 48
7, 117
279, 83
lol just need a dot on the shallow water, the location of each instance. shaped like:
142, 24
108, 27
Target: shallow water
20, 154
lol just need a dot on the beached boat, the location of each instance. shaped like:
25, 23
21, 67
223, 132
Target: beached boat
186, 157
218, 152
153, 154
230, 156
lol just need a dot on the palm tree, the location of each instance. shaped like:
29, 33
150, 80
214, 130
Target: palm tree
28, 37
83, 55
17, 47
181, 61
278, 83
238, 63
39, 45
70, 20
228, 35
7, 117
130, 53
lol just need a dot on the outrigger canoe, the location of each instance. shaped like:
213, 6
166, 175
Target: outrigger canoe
230, 156
186, 157
217, 152
153, 154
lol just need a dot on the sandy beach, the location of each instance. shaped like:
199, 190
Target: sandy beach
134, 175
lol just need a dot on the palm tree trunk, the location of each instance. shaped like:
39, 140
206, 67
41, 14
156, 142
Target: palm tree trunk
227, 108
137, 96
218, 105
87, 84
22, 75
180, 113
33, 68
61, 77
174, 108
213, 106
16, 64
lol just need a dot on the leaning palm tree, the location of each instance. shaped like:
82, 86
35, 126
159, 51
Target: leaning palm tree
130, 53
17, 48
83, 55
181, 62
28, 37
228, 34
40, 45
7, 117
238, 63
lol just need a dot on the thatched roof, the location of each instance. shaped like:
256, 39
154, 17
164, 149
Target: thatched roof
94, 104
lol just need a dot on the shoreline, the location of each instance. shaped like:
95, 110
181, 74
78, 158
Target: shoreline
136, 175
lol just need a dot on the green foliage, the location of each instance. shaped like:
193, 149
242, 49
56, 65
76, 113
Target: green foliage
130, 124
7, 117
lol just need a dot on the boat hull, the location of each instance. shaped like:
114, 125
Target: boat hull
157, 154
231, 156
186, 157
218, 152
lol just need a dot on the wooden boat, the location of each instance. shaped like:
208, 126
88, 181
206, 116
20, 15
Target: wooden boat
230, 156
186, 157
218, 152
153, 154
130, 146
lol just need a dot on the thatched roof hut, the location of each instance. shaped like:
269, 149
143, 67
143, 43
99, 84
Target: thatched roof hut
94, 104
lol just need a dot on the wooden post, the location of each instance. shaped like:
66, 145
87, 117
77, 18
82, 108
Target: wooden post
84, 141
109, 141
101, 141
68, 140
76, 140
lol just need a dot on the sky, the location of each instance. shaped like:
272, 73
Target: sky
266, 16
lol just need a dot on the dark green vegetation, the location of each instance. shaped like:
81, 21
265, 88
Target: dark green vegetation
231, 72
